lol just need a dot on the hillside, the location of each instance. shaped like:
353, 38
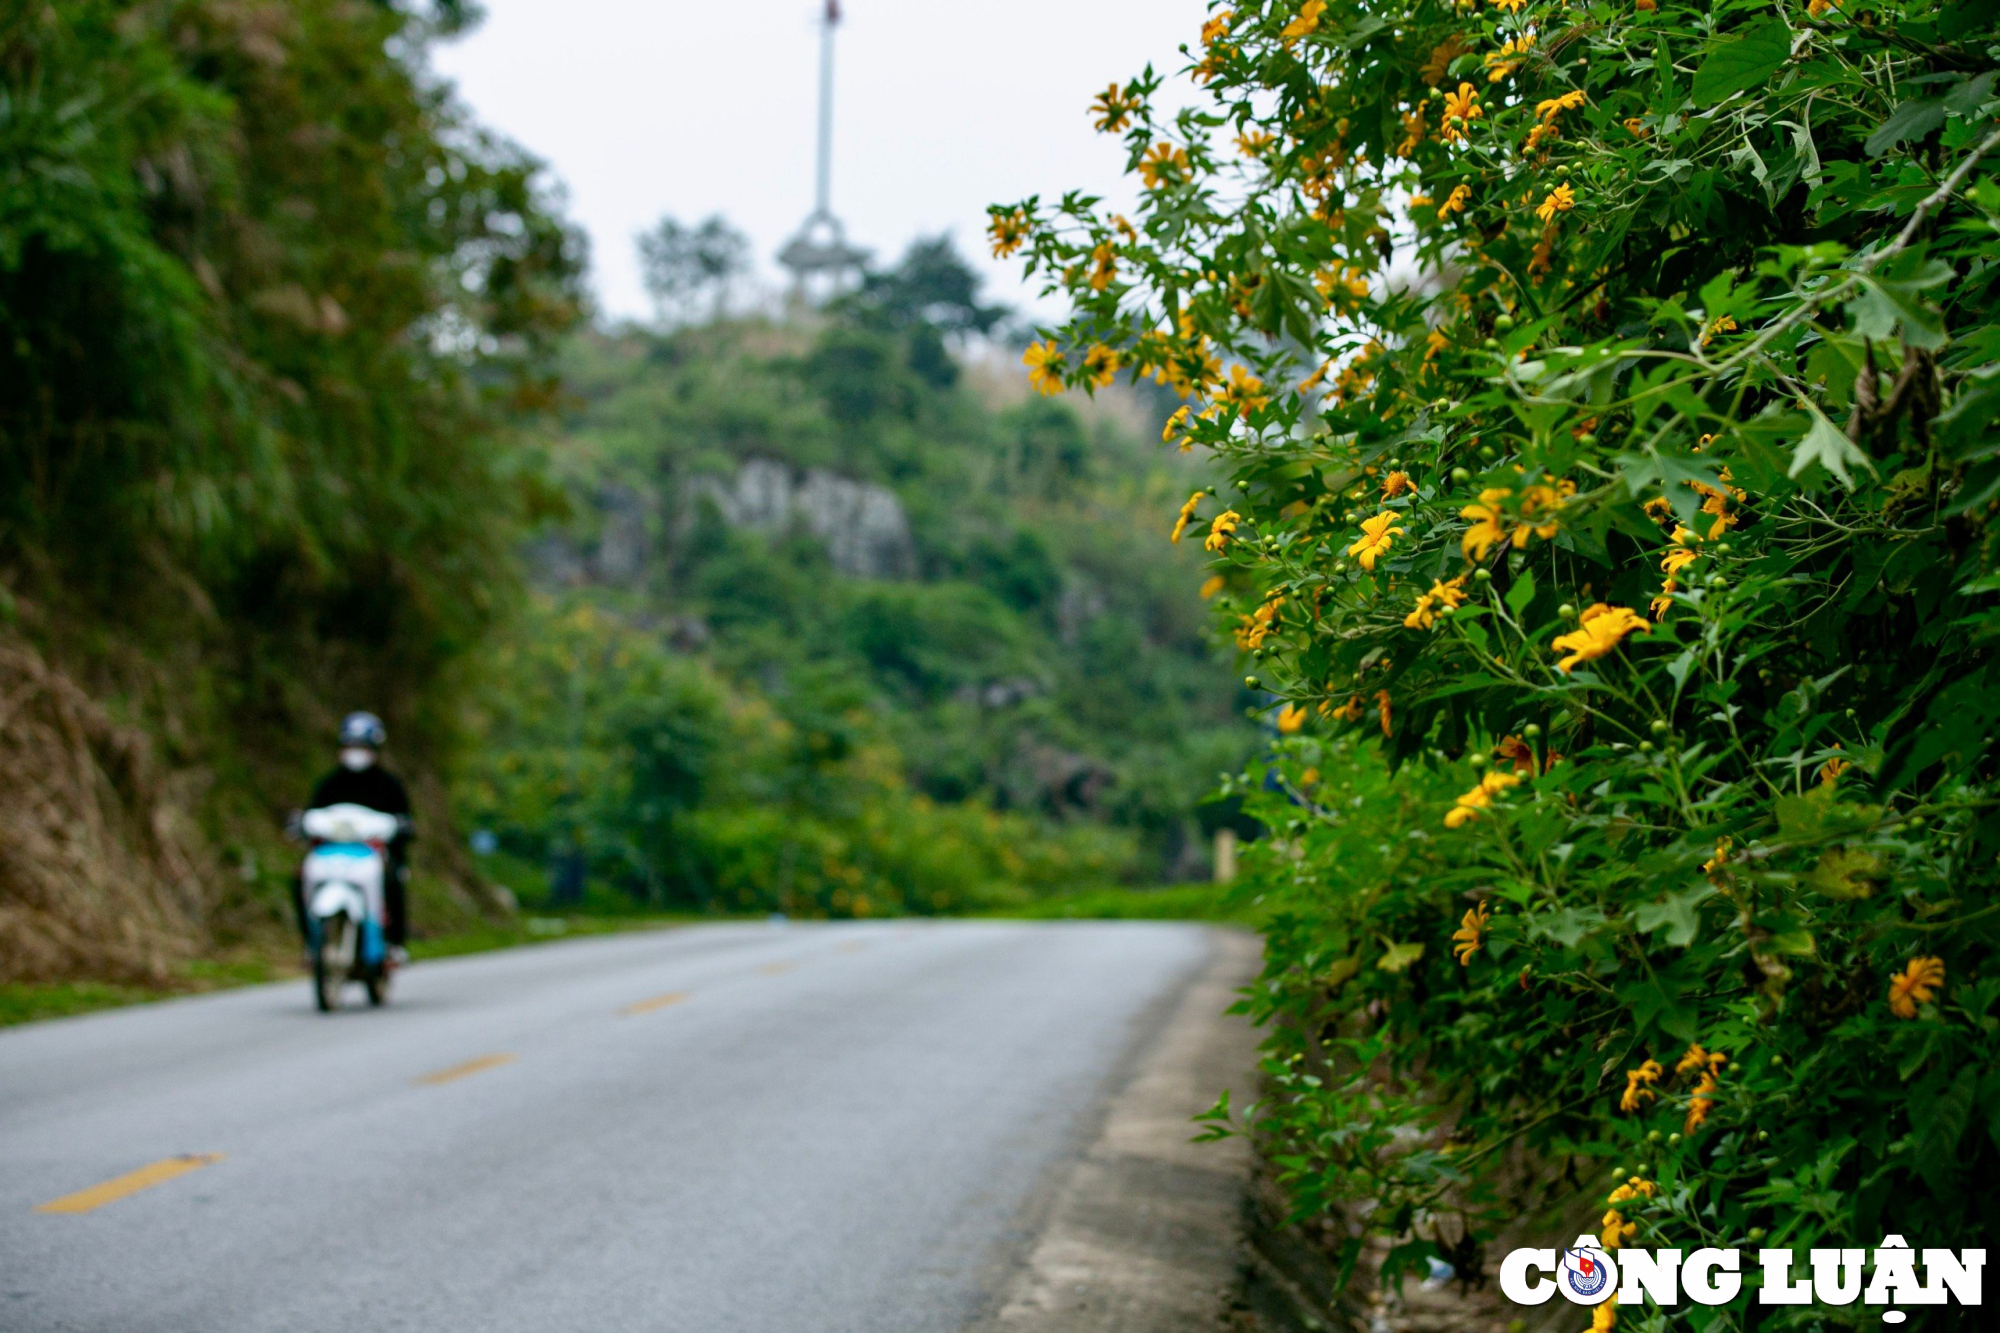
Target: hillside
822, 596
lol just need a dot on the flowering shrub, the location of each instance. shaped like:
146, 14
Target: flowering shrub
1609, 390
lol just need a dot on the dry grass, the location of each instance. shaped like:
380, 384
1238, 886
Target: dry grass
101, 872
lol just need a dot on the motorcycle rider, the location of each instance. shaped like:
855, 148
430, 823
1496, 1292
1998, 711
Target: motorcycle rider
361, 780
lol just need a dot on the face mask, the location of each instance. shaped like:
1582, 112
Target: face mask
356, 757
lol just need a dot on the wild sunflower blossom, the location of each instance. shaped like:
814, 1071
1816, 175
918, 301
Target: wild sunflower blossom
1617, 1231
1467, 806
1395, 484
1425, 614
1257, 626
1220, 529
1163, 164
1916, 984
1471, 933
1113, 110
1560, 200
1599, 630
1460, 110
1508, 58
1305, 24
1291, 719
1455, 202
1639, 1086
1186, 514
1377, 534
1007, 230
1045, 366
1677, 558
1709, 1065
1637, 1187
1101, 363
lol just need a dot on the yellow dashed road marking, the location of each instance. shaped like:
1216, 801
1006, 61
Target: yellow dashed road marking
775, 969
657, 1002
470, 1067
111, 1191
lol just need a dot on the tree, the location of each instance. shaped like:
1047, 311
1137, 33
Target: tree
685, 267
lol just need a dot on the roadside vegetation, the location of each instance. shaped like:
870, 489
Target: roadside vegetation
1607, 396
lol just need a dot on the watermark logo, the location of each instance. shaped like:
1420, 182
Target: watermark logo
1587, 1275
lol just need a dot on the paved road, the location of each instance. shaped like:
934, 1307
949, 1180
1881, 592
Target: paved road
761, 1128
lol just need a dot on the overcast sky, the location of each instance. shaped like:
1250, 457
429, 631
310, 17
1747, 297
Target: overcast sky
649, 107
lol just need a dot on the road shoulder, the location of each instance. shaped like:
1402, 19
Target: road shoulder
1144, 1232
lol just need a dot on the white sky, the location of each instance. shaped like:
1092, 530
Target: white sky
648, 107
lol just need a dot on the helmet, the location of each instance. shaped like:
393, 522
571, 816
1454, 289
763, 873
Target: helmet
363, 729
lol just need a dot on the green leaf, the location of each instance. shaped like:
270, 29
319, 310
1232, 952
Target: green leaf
1845, 873
1828, 446
1912, 120
1521, 593
1742, 62
1400, 956
1675, 914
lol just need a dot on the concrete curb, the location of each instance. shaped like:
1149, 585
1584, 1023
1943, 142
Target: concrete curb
1145, 1232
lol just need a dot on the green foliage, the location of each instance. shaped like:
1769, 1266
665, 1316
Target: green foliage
268, 303
1701, 341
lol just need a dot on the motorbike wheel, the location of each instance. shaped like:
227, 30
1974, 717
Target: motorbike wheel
332, 961
378, 990
326, 984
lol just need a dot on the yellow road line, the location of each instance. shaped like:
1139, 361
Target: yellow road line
111, 1191
657, 1002
775, 969
470, 1067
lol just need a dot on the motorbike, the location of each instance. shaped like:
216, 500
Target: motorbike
345, 869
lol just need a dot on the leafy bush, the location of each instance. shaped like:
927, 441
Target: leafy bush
1609, 389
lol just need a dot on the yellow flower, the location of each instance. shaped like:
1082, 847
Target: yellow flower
1244, 392
1219, 530
1434, 342
1382, 711
1830, 771
1101, 364
1617, 1230
1599, 630
1466, 807
1177, 421
1045, 366
1413, 132
1347, 712
1455, 201
1659, 509
1914, 985
1555, 106
1113, 110
1290, 718
1605, 1317
1212, 585
1305, 24
1256, 627
1508, 58
1460, 109
1639, 1086
1560, 200
1719, 325
1216, 28
1007, 230
1470, 933
1187, 514
1487, 530
1103, 265
1638, 1187
1677, 558
1818, 8
1435, 68
1511, 6
1637, 128
1395, 484
1376, 534
1252, 142
1163, 164
1441, 594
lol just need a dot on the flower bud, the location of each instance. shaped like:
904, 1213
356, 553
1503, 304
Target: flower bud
1461, 475
1482, 575
1566, 611
1661, 726
1532, 730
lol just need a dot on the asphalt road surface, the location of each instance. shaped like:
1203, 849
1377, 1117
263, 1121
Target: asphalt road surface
745, 1127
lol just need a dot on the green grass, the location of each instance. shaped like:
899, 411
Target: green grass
1177, 902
